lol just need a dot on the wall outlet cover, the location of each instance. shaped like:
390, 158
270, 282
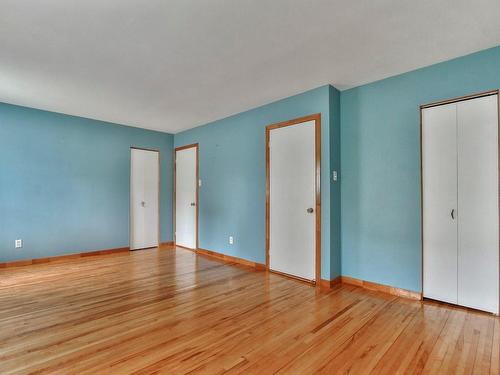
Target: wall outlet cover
19, 244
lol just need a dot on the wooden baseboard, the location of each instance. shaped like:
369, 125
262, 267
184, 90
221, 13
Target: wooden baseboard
382, 288
231, 259
28, 262
329, 284
168, 243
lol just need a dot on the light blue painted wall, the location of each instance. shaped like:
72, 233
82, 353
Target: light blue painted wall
64, 182
232, 169
381, 166
335, 186
64, 177
335, 194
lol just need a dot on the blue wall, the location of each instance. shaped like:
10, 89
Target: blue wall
335, 194
232, 170
381, 165
64, 182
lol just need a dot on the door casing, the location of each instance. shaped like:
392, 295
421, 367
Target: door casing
158, 188
434, 104
196, 146
317, 119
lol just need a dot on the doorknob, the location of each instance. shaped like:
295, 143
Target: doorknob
310, 210
453, 214
193, 204
143, 204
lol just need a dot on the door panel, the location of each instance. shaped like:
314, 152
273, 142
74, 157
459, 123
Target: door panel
439, 188
144, 200
478, 203
292, 193
186, 197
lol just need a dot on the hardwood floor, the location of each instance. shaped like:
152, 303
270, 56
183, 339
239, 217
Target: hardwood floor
174, 312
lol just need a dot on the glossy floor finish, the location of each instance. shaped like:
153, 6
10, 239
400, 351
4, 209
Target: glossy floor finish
173, 312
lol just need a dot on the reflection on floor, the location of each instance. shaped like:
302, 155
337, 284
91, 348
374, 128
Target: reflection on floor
172, 311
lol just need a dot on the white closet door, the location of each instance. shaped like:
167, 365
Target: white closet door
439, 183
478, 203
292, 200
185, 197
144, 202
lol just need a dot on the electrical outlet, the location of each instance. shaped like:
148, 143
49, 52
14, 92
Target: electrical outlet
19, 244
199, 182
231, 240
334, 175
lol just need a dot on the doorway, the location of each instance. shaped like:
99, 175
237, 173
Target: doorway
144, 198
460, 189
293, 201
186, 196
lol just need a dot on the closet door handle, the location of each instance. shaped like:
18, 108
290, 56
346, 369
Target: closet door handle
453, 214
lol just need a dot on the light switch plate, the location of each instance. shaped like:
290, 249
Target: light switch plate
19, 244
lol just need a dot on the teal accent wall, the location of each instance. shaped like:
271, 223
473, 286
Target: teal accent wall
335, 194
64, 182
232, 169
380, 159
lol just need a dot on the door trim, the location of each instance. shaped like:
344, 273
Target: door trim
317, 119
130, 194
435, 104
180, 148
459, 99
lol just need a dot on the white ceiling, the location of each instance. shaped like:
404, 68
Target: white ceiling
171, 65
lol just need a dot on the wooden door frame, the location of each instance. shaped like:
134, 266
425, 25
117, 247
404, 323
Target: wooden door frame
196, 146
317, 119
130, 194
436, 104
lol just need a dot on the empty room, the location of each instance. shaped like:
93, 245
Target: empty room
249, 187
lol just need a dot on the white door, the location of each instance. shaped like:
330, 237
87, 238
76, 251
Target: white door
144, 199
292, 220
186, 197
478, 203
439, 187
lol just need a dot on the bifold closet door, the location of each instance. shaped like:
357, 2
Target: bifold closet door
477, 124
439, 188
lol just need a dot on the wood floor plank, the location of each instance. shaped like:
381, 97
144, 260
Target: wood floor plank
495, 355
410, 351
171, 311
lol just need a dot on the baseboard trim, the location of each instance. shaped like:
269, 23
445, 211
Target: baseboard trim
382, 288
323, 284
329, 284
231, 259
28, 262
